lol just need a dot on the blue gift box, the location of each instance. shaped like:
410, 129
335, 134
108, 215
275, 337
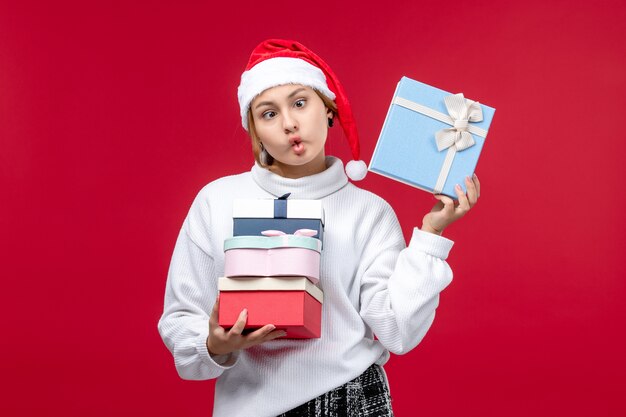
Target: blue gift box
251, 217
407, 149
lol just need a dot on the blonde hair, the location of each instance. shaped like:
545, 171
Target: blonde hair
256, 142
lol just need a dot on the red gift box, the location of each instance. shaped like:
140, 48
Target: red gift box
296, 312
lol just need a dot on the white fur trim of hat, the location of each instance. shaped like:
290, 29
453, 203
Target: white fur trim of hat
274, 72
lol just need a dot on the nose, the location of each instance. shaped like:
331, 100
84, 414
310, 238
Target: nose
290, 123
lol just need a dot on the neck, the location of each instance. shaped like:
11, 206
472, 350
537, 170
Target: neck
312, 187
313, 167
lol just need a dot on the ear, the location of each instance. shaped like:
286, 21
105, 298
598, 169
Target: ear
329, 113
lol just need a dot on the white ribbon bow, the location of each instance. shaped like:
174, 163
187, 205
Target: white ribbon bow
462, 111
457, 138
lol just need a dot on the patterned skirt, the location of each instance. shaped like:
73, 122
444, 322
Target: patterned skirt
365, 396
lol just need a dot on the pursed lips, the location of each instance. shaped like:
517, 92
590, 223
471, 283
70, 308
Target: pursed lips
296, 145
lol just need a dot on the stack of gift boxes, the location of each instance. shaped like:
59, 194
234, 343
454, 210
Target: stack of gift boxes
272, 266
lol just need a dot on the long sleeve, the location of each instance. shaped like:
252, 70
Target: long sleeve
400, 286
189, 297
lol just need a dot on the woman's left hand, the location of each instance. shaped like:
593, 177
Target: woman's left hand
447, 211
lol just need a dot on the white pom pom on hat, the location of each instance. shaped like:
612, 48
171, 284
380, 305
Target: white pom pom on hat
356, 170
277, 62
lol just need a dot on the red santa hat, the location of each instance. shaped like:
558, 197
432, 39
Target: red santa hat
277, 62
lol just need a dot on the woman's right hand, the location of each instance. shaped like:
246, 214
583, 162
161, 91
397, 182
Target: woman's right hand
221, 341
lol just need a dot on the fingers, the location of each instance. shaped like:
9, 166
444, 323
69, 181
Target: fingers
259, 334
275, 335
264, 334
448, 204
472, 192
464, 204
438, 205
233, 339
477, 183
240, 324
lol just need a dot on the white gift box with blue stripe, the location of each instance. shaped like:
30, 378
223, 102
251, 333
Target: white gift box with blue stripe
431, 139
253, 216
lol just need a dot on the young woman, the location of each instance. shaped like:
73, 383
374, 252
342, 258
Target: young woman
379, 295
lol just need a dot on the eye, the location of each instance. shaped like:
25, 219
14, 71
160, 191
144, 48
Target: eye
300, 103
268, 115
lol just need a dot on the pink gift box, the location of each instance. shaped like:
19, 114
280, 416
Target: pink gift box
273, 262
272, 256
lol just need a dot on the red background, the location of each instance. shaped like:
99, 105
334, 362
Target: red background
114, 114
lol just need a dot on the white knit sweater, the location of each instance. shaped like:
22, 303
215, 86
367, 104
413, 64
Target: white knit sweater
372, 285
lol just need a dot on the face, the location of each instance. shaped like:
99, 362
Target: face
291, 122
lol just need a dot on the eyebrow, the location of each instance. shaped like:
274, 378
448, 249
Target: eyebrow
293, 93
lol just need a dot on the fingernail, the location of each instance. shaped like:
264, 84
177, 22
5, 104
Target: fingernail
272, 327
458, 187
245, 311
474, 175
282, 334
468, 179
